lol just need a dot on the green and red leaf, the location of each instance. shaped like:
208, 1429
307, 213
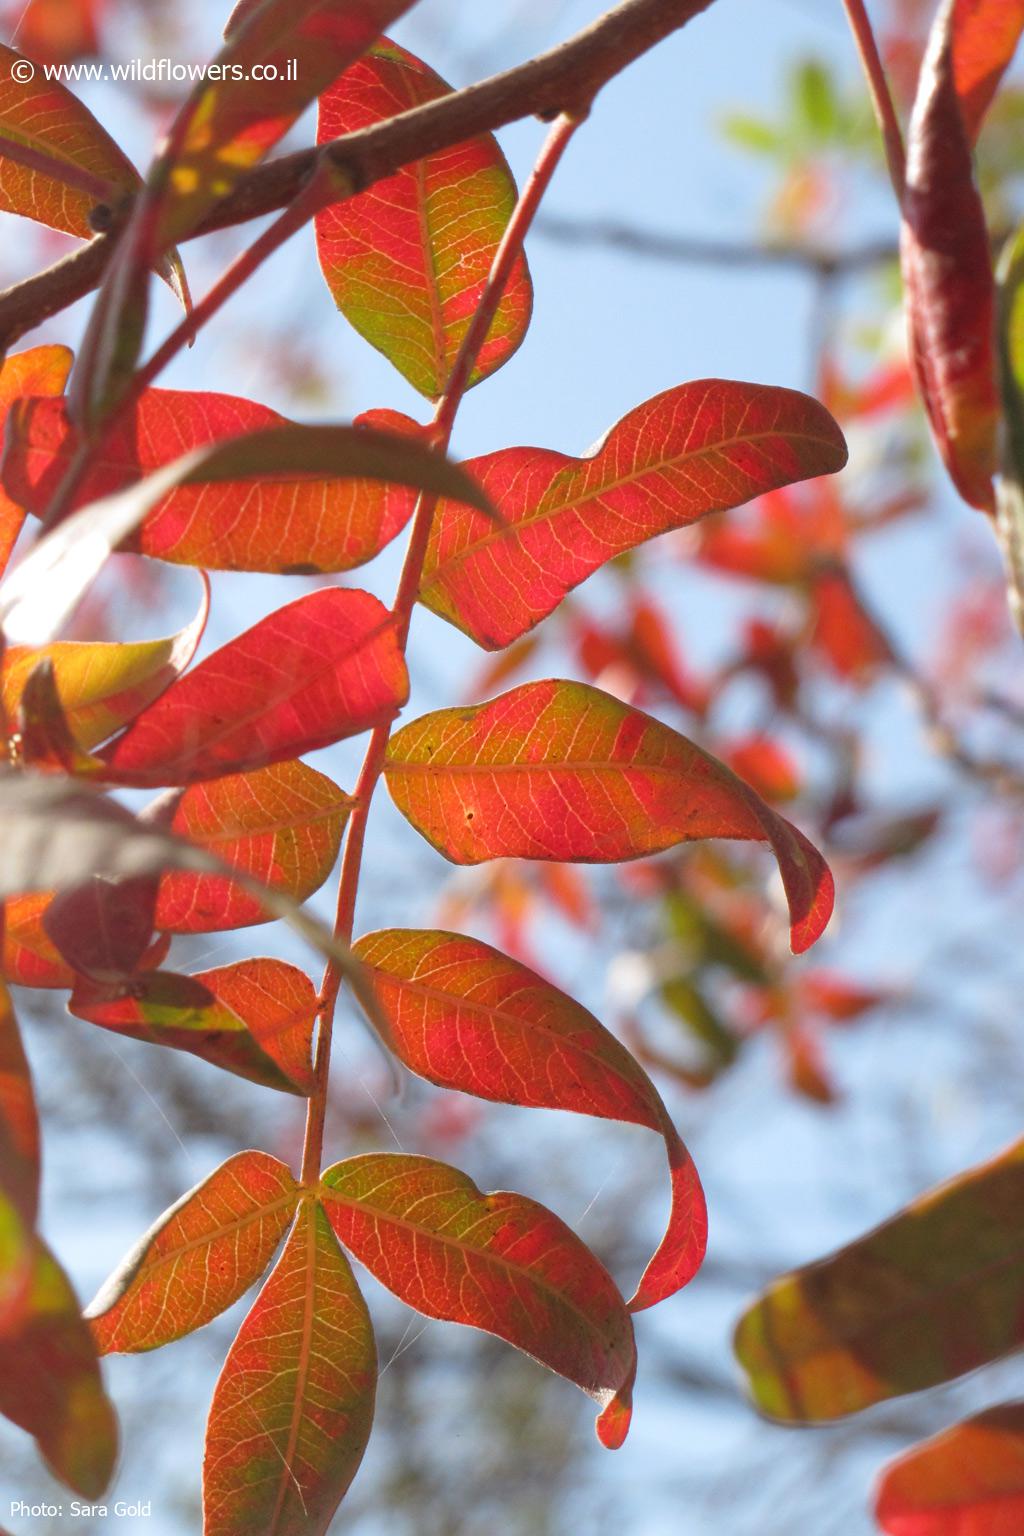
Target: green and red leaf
693, 450
198, 1258
560, 770
292, 1410
320, 669
936, 1291
407, 260
466, 1017
281, 825
50, 1382
254, 1018
498, 1262
968, 1481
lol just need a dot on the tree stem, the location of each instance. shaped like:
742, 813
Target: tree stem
440, 432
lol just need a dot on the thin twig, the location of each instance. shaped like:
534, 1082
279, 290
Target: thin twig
881, 96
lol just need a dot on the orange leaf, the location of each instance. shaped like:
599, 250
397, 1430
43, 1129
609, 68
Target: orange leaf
968, 1481
254, 1018
498, 1262
40, 371
281, 825
559, 770
465, 1016
198, 1258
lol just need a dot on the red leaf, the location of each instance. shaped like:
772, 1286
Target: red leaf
50, 1382
985, 34
288, 523
282, 825
559, 770
254, 1018
968, 1481
40, 371
322, 668
30, 958
44, 117
690, 451
19, 1125
198, 1258
407, 260
947, 272
766, 766
498, 1262
464, 1016
292, 1411
843, 631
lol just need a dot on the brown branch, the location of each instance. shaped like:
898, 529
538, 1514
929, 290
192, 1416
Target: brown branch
686, 250
563, 79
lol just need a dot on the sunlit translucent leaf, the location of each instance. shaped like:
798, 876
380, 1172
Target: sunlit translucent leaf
292, 1411
560, 770
44, 116
934, 1292
968, 1481
985, 34
198, 1258
281, 824
322, 668
465, 1016
254, 1018
498, 1262
407, 260
947, 273
693, 450
19, 1123
40, 371
228, 124
50, 1382
102, 686
288, 519
36, 598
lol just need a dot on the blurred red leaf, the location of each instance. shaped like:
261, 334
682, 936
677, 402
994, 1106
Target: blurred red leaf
292, 1409
282, 825
198, 1258
104, 927
947, 272
842, 631
407, 260
290, 523
898, 1310
984, 38
30, 958
57, 31
498, 1262
559, 770
766, 766
40, 371
254, 1018
690, 451
968, 1481
19, 1126
322, 668
462, 1015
